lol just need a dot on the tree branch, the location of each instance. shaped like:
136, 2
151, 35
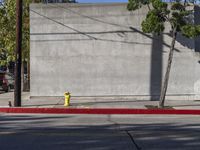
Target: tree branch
148, 6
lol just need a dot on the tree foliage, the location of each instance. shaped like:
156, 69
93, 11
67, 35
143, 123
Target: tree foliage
160, 12
8, 31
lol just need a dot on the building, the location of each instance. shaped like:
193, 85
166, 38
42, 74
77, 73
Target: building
99, 50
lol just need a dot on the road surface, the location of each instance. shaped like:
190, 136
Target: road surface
99, 132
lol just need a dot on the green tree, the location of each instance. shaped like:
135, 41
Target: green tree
7, 20
177, 15
8, 33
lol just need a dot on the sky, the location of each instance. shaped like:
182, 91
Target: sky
101, 1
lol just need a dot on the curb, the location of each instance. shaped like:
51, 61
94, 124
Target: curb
116, 111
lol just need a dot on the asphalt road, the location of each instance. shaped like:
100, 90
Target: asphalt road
99, 132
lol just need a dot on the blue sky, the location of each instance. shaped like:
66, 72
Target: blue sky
100, 1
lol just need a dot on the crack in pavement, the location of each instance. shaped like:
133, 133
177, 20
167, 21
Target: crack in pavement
133, 141
126, 131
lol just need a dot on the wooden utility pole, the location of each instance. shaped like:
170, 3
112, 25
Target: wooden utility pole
18, 54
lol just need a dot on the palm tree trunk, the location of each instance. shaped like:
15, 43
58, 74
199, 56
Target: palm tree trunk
166, 78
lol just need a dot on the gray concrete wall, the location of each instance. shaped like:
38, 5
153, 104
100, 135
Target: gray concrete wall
99, 50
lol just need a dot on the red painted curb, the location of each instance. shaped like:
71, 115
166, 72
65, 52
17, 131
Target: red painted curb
99, 111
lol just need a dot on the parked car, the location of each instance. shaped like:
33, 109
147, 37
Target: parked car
6, 81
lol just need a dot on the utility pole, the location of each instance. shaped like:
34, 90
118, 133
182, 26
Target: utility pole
18, 54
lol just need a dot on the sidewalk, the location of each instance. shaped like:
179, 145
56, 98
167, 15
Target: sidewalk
95, 103
106, 103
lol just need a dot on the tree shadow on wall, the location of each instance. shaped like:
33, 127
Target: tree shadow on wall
157, 51
156, 66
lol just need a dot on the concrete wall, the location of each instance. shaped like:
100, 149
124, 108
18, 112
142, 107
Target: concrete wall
99, 50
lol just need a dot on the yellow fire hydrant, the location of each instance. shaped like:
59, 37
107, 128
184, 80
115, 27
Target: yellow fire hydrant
67, 98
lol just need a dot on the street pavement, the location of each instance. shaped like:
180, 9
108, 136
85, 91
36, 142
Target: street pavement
99, 132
